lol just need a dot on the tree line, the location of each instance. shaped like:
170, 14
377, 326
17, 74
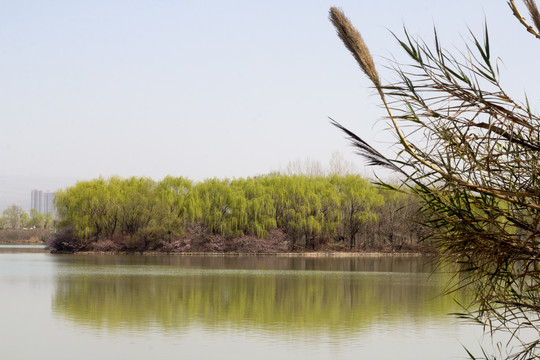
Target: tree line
304, 211
14, 217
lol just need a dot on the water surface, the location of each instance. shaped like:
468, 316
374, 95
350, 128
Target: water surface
225, 307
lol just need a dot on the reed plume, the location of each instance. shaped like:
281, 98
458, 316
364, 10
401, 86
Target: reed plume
354, 43
533, 11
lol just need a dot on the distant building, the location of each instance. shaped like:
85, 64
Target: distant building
42, 201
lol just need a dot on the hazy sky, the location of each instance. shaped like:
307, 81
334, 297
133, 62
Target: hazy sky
208, 88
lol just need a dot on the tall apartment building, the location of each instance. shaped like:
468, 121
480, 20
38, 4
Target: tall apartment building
42, 201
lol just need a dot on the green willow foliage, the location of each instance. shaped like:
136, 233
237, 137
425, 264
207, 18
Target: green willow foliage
142, 213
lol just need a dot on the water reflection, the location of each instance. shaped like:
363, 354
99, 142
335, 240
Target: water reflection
330, 296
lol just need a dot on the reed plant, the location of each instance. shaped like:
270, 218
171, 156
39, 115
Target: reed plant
471, 154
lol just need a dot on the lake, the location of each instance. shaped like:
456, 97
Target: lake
226, 307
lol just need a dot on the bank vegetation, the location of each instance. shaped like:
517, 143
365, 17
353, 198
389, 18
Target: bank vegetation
270, 213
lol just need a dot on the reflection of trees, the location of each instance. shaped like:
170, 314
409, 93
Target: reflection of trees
344, 262
317, 301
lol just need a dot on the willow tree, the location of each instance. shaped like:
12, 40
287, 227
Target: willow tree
37, 219
223, 207
85, 208
306, 207
358, 201
13, 216
475, 169
176, 206
259, 208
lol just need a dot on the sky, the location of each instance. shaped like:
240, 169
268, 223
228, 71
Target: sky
208, 88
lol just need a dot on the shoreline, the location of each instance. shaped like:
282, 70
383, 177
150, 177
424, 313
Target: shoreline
247, 254
21, 243
300, 253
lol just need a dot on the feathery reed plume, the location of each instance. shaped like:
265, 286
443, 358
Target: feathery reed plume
533, 10
354, 43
